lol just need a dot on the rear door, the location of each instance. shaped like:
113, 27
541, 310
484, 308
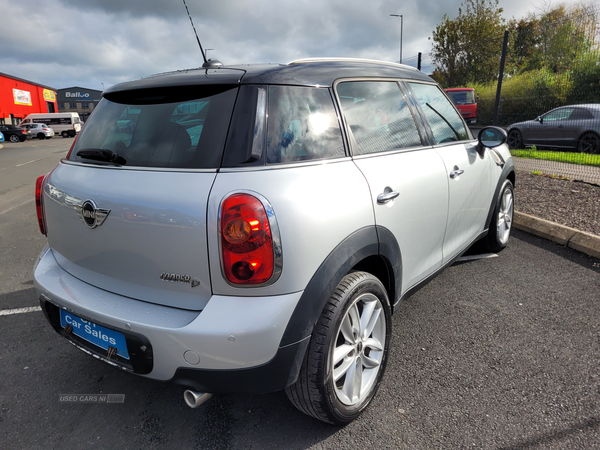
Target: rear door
134, 222
407, 181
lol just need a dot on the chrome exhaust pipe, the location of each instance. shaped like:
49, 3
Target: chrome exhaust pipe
194, 398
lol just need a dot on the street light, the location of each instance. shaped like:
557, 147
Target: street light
401, 28
102, 86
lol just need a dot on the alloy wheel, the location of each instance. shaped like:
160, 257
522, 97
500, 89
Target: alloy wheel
358, 350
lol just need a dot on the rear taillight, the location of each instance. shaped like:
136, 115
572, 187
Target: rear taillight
250, 250
39, 206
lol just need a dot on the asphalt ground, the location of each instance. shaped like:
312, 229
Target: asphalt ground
500, 352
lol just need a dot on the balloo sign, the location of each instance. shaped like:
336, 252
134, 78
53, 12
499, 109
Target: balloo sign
77, 94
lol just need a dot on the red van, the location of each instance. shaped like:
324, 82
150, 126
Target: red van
464, 99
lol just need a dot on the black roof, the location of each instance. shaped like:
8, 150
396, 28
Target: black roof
317, 72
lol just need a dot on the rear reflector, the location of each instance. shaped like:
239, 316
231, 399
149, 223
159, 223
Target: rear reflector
39, 207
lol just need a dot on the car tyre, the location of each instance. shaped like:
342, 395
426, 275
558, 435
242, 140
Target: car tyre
41, 136
502, 219
14, 138
64, 134
347, 354
589, 143
515, 139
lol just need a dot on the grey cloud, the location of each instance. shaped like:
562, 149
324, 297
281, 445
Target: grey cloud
86, 43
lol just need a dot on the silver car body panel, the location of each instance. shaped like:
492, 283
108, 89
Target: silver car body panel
158, 227
417, 217
469, 195
306, 199
230, 333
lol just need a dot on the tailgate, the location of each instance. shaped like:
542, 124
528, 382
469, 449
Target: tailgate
136, 233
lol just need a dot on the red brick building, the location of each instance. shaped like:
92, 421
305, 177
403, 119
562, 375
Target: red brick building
19, 97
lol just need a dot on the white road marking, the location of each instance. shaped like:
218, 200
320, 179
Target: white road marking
24, 164
16, 206
10, 312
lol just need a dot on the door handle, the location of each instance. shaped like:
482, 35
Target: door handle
387, 196
456, 172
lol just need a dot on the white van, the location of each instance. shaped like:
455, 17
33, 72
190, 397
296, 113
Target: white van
65, 124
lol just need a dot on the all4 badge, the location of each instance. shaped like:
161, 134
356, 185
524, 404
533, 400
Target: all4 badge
165, 276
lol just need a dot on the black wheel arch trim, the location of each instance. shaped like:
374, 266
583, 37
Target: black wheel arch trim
367, 242
509, 168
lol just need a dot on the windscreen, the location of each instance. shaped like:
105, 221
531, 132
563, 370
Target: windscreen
462, 97
181, 128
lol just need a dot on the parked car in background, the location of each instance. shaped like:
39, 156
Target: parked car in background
65, 124
14, 133
1, 140
465, 101
573, 127
249, 229
39, 130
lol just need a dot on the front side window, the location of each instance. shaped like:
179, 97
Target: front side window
559, 114
302, 125
445, 123
377, 116
144, 132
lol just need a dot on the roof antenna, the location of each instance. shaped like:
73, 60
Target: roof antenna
207, 63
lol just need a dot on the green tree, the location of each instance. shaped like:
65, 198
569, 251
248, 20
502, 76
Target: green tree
467, 49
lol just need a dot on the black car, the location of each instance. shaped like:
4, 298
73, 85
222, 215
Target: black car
14, 133
569, 127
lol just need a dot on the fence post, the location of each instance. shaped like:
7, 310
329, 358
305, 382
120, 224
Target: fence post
500, 76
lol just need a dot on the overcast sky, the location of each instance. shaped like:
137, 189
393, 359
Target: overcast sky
97, 43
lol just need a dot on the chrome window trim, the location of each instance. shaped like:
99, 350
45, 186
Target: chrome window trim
393, 152
275, 238
138, 168
287, 165
260, 125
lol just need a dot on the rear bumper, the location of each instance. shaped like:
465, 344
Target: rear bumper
230, 346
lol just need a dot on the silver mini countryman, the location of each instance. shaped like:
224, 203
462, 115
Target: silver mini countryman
247, 229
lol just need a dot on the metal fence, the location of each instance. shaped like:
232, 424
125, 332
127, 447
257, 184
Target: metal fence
553, 62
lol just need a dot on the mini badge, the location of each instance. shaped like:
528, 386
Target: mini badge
91, 215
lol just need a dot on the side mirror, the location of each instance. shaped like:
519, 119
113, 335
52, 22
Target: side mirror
539, 119
490, 137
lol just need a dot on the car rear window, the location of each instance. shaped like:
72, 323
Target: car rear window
168, 128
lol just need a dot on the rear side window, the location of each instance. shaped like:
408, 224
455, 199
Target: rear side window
178, 128
302, 125
445, 123
378, 116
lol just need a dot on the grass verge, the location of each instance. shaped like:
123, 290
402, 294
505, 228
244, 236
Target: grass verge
584, 159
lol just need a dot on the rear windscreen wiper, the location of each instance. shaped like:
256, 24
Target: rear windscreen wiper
102, 154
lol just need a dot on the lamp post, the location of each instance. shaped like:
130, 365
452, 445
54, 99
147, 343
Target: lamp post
102, 86
401, 29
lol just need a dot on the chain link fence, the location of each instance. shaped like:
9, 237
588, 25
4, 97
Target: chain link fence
563, 72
